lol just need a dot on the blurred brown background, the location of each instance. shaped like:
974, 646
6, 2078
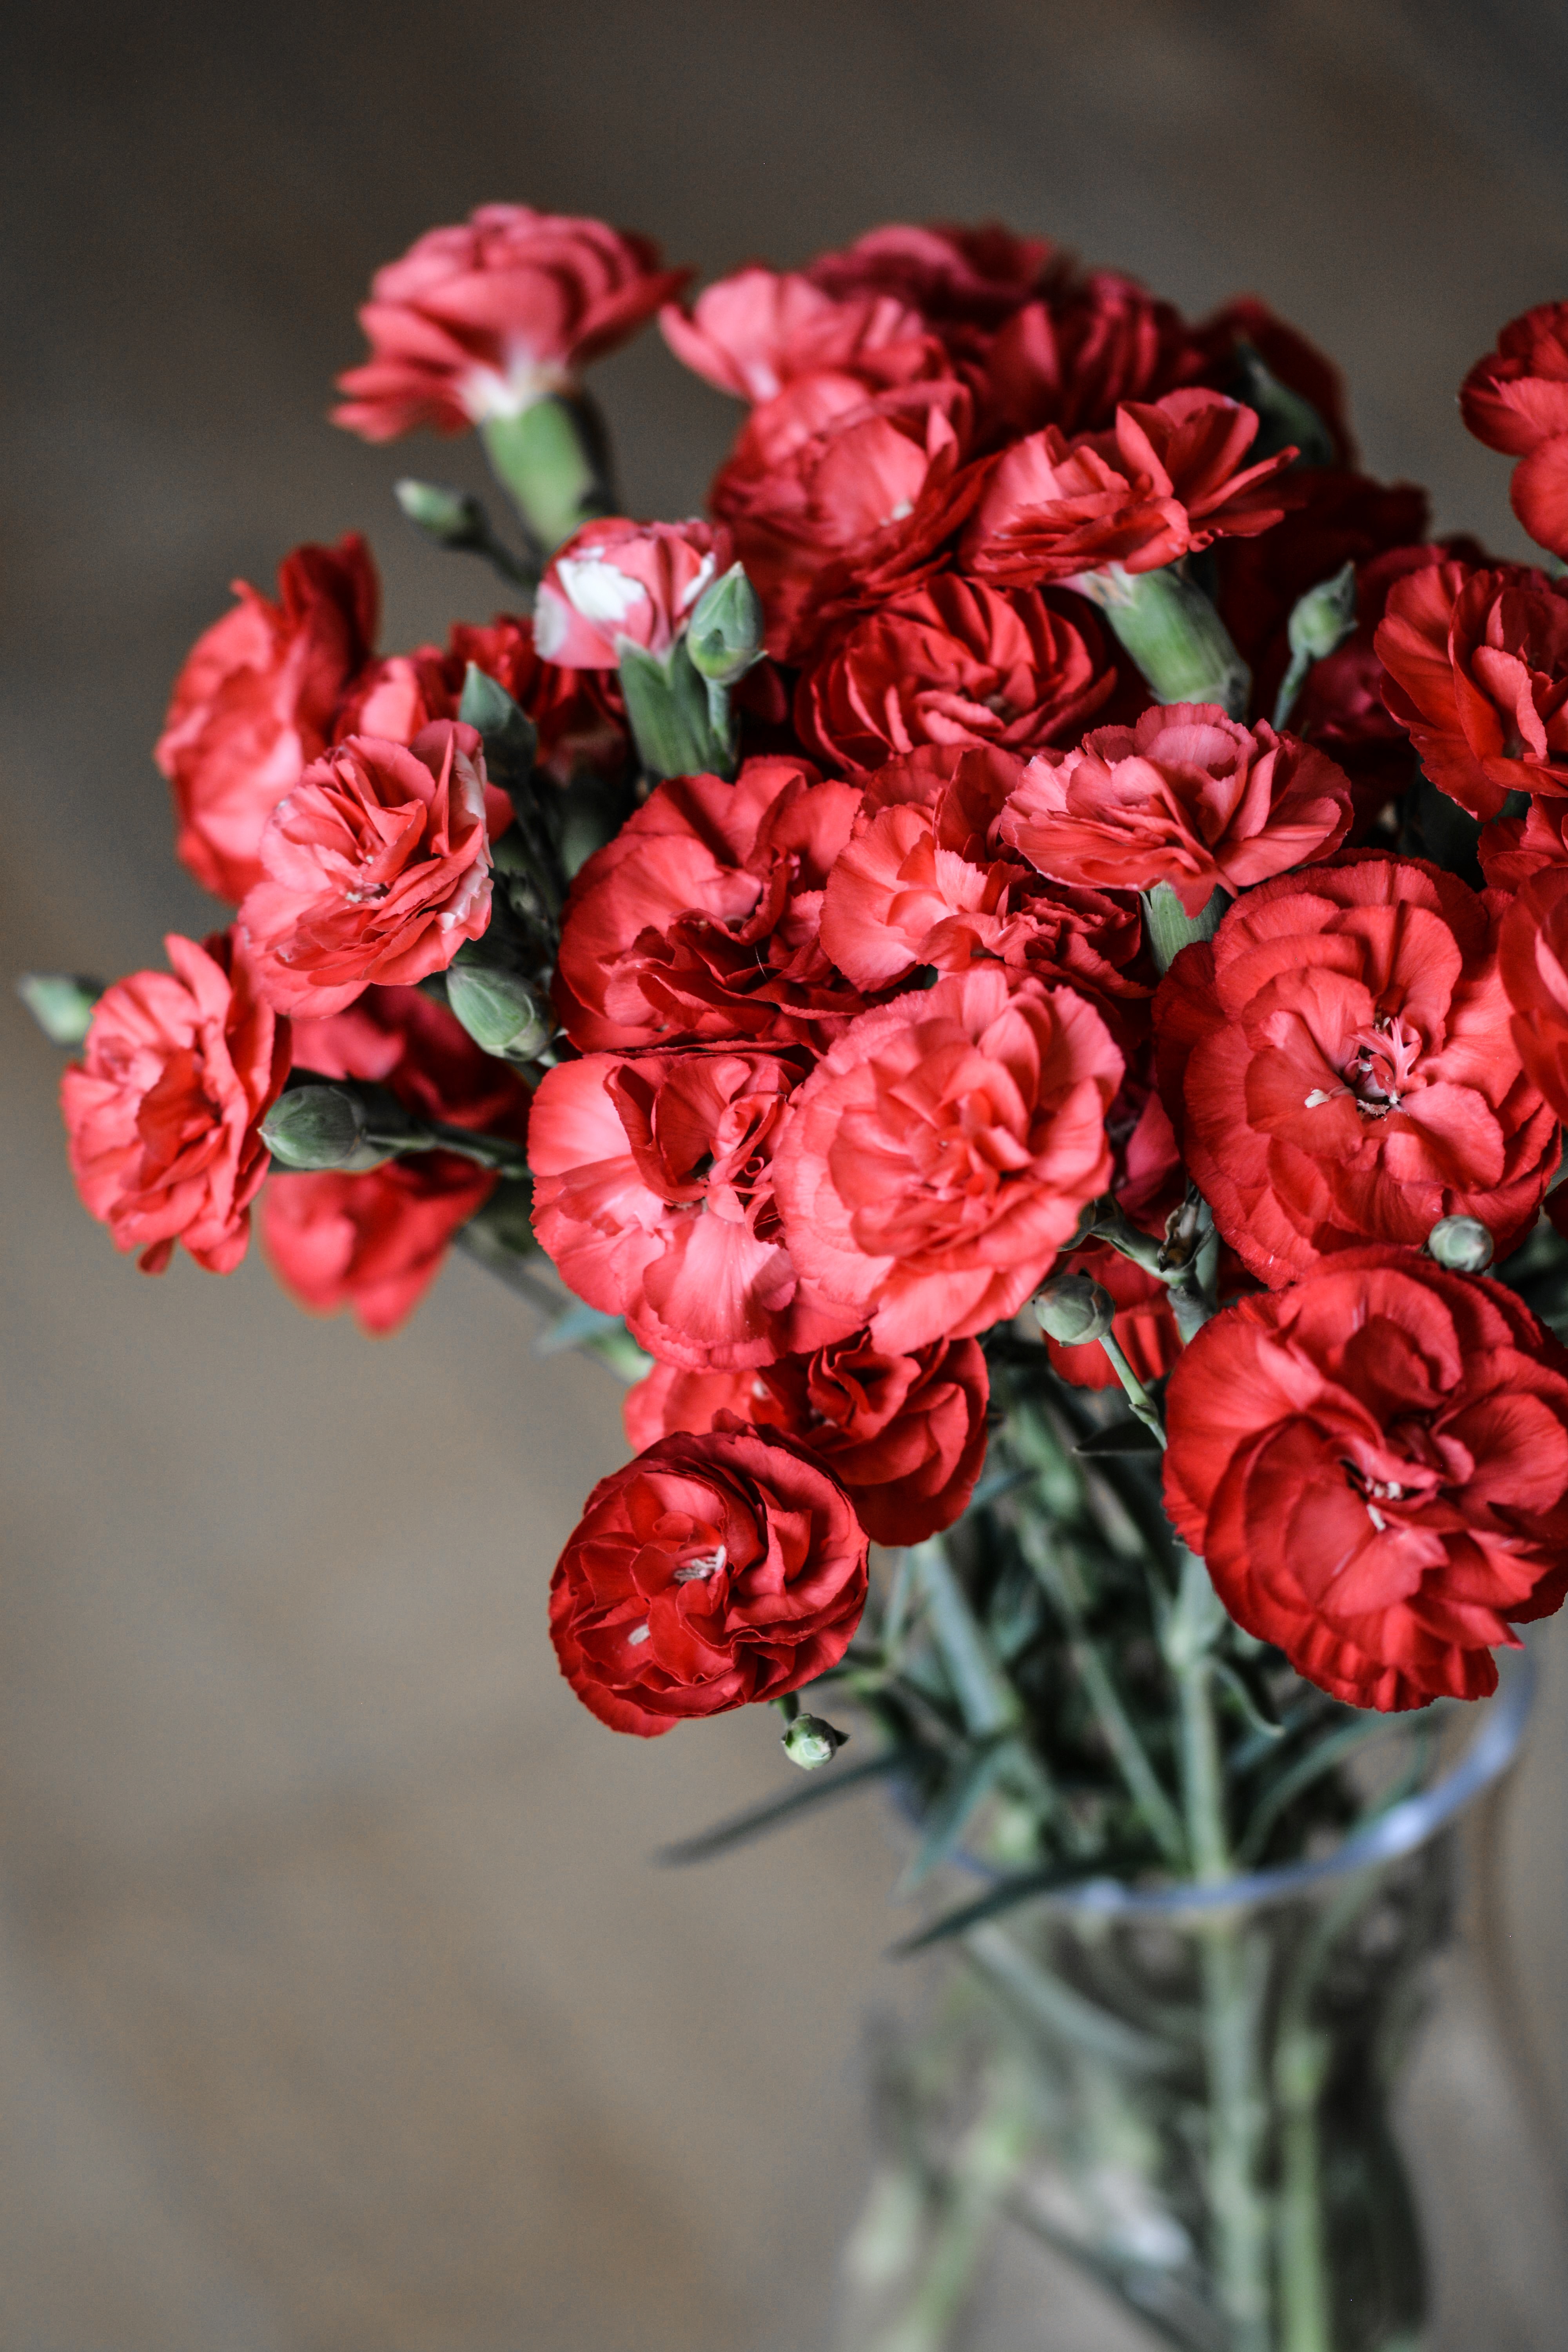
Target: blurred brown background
339, 2008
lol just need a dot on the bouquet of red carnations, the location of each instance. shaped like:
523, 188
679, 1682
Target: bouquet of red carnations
1018, 974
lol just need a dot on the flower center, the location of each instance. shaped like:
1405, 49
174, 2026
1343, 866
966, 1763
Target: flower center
1381, 1067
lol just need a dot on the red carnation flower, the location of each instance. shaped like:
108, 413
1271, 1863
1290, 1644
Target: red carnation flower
253, 706
579, 713
376, 1241
1375, 1465
163, 1112
699, 918
1166, 480
1186, 797
1532, 955
618, 582
919, 883
1516, 400
481, 320
841, 498
752, 334
941, 1152
904, 1435
1073, 359
957, 276
654, 1195
712, 1572
1343, 1053
376, 867
1477, 666
957, 663
1513, 848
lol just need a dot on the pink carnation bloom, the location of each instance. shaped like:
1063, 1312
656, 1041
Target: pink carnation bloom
482, 319
163, 1114
654, 1197
751, 334
618, 582
375, 868
1186, 797
941, 1154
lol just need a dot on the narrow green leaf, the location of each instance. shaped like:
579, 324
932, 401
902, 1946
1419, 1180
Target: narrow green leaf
988, 1702
967, 1784
1063, 2012
774, 1812
1004, 1897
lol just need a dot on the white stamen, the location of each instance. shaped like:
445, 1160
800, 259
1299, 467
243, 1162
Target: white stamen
900, 513
1375, 1516
1322, 1095
709, 1565
639, 1634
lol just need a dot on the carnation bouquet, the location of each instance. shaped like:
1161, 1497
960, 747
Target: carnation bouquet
1012, 982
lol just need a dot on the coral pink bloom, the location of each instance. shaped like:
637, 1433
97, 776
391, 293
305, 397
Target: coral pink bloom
1516, 400
752, 334
619, 583
1343, 1054
376, 1241
918, 883
376, 868
483, 320
253, 705
164, 1111
904, 1435
1476, 665
1513, 848
841, 498
654, 1195
942, 1152
957, 662
1167, 480
1373, 1464
712, 1572
1186, 797
701, 918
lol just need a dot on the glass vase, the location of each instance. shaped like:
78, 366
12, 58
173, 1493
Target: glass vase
1186, 2089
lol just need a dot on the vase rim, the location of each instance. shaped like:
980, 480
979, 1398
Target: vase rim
1405, 1827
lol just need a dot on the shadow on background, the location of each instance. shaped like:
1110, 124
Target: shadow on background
339, 2008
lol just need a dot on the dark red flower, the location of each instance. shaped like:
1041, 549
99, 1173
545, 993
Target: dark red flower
1166, 480
1188, 797
1375, 1465
699, 919
1476, 665
163, 1112
654, 1196
958, 663
904, 1435
482, 319
1513, 848
253, 705
958, 277
1072, 360
375, 1241
712, 1572
579, 713
1342, 1058
1516, 400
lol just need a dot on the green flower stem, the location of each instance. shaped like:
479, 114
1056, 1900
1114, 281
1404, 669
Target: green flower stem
1232, 1990
1138, 1396
553, 462
1172, 633
1169, 926
987, 1699
495, 1151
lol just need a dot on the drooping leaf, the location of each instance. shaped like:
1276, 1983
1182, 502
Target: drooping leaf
774, 1812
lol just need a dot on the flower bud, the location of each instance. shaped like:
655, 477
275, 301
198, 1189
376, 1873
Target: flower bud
499, 1010
1324, 618
318, 1126
451, 518
1072, 1310
1462, 1245
811, 1742
60, 1002
726, 632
